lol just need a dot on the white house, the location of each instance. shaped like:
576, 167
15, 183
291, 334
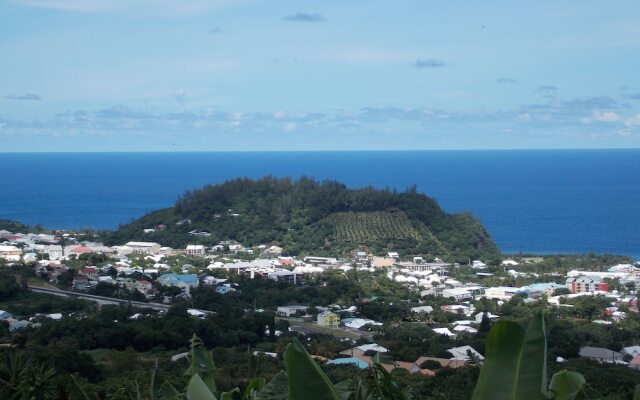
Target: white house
458, 294
11, 253
501, 292
147, 248
195, 250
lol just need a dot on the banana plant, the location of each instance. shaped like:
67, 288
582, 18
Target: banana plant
515, 367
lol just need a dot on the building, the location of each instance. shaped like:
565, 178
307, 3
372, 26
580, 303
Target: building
89, 272
273, 251
465, 353
145, 248
382, 262
291, 311
11, 253
283, 275
80, 282
183, 281
457, 294
537, 290
5, 315
195, 250
54, 251
328, 319
586, 284
601, 354
501, 292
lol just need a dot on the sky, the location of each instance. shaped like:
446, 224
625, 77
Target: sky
218, 75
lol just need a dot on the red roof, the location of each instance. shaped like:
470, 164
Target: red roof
81, 249
635, 360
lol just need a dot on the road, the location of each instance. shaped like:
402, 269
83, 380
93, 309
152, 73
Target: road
104, 300
310, 327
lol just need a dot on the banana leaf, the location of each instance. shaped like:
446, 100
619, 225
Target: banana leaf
306, 380
515, 365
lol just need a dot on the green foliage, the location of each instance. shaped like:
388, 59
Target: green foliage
516, 360
306, 379
306, 216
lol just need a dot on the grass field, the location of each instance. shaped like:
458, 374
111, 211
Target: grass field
368, 227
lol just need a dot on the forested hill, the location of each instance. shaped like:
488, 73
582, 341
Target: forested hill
305, 216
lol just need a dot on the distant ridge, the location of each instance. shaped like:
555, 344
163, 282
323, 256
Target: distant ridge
306, 216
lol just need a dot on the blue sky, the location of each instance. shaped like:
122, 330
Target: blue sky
210, 75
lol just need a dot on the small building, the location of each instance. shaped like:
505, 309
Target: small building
145, 248
5, 315
183, 281
80, 282
291, 311
89, 272
501, 292
328, 319
457, 294
195, 250
10, 253
273, 251
465, 353
601, 354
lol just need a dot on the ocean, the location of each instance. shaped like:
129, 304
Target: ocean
530, 201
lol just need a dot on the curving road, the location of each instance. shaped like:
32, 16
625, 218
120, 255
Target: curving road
104, 300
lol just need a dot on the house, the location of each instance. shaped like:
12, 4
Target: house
195, 250
586, 284
5, 315
635, 363
382, 262
77, 251
537, 290
422, 309
89, 272
601, 354
465, 353
291, 311
283, 275
501, 292
16, 325
10, 253
456, 309
80, 282
361, 350
444, 331
145, 248
183, 281
457, 294
328, 319
631, 351
394, 255
357, 323
54, 251
143, 286
273, 251
225, 288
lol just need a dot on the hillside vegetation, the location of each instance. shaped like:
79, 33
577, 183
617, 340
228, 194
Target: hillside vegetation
305, 216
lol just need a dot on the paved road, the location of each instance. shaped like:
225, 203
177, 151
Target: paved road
104, 300
307, 328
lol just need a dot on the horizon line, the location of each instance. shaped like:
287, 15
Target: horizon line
325, 151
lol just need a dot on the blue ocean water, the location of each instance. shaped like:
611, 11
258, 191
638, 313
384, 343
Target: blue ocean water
558, 201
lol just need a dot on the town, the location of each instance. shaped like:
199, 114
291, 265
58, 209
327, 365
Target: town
454, 301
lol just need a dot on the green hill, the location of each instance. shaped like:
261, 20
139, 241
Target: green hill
305, 216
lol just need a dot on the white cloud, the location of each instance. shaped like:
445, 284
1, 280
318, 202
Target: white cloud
157, 6
633, 121
289, 127
602, 116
